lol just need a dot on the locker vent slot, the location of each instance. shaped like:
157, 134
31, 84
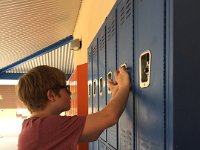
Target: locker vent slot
108, 33
126, 139
102, 41
122, 15
111, 27
125, 12
94, 51
128, 9
89, 57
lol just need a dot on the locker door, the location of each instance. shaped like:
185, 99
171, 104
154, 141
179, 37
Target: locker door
125, 56
95, 82
90, 86
111, 56
149, 79
95, 76
90, 91
102, 71
182, 73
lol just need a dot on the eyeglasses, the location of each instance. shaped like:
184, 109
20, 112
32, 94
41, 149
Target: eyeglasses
67, 88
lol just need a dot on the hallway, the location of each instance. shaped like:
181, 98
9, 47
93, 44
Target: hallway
8, 143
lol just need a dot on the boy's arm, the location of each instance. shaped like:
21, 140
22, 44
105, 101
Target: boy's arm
97, 122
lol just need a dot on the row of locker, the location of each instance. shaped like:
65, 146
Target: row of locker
146, 37
102, 64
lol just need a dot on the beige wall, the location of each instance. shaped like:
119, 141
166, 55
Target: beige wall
91, 17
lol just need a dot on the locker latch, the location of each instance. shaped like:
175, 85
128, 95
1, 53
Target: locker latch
89, 89
94, 87
100, 85
109, 76
145, 68
124, 65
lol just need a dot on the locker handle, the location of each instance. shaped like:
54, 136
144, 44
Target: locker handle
94, 87
145, 68
100, 85
109, 76
89, 89
124, 65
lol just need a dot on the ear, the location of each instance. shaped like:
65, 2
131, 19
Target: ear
51, 95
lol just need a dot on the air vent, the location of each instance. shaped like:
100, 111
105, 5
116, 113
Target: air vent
90, 57
94, 49
125, 11
102, 41
128, 9
122, 15
108, 33
111, 27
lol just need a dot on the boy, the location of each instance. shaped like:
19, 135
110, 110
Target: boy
43, 90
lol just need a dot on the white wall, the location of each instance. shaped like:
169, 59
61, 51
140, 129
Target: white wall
91, 17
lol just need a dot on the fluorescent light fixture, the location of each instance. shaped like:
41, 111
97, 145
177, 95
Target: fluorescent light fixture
8, 82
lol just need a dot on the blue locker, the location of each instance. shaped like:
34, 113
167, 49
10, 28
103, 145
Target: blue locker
95, 78
90, 87
102, 71
182, 74
125, 56
90, 80
111, 56
149, 81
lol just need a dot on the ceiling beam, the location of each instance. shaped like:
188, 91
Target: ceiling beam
16, 76
10, 76
38, 53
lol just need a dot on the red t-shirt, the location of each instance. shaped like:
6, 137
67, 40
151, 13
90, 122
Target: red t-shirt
51, 133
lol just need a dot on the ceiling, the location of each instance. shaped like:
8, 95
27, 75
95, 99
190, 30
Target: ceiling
34, 33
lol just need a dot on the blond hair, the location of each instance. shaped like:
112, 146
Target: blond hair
33, 86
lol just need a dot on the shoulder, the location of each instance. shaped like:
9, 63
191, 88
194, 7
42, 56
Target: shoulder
53, 118
67, 119
54, 123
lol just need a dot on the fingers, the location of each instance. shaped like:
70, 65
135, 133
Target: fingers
111, 82
113, 86
121, 70
116, 72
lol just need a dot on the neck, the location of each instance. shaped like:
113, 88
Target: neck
43, 113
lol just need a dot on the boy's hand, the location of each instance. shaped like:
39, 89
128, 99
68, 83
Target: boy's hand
113, 86
122, 81
122, 78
